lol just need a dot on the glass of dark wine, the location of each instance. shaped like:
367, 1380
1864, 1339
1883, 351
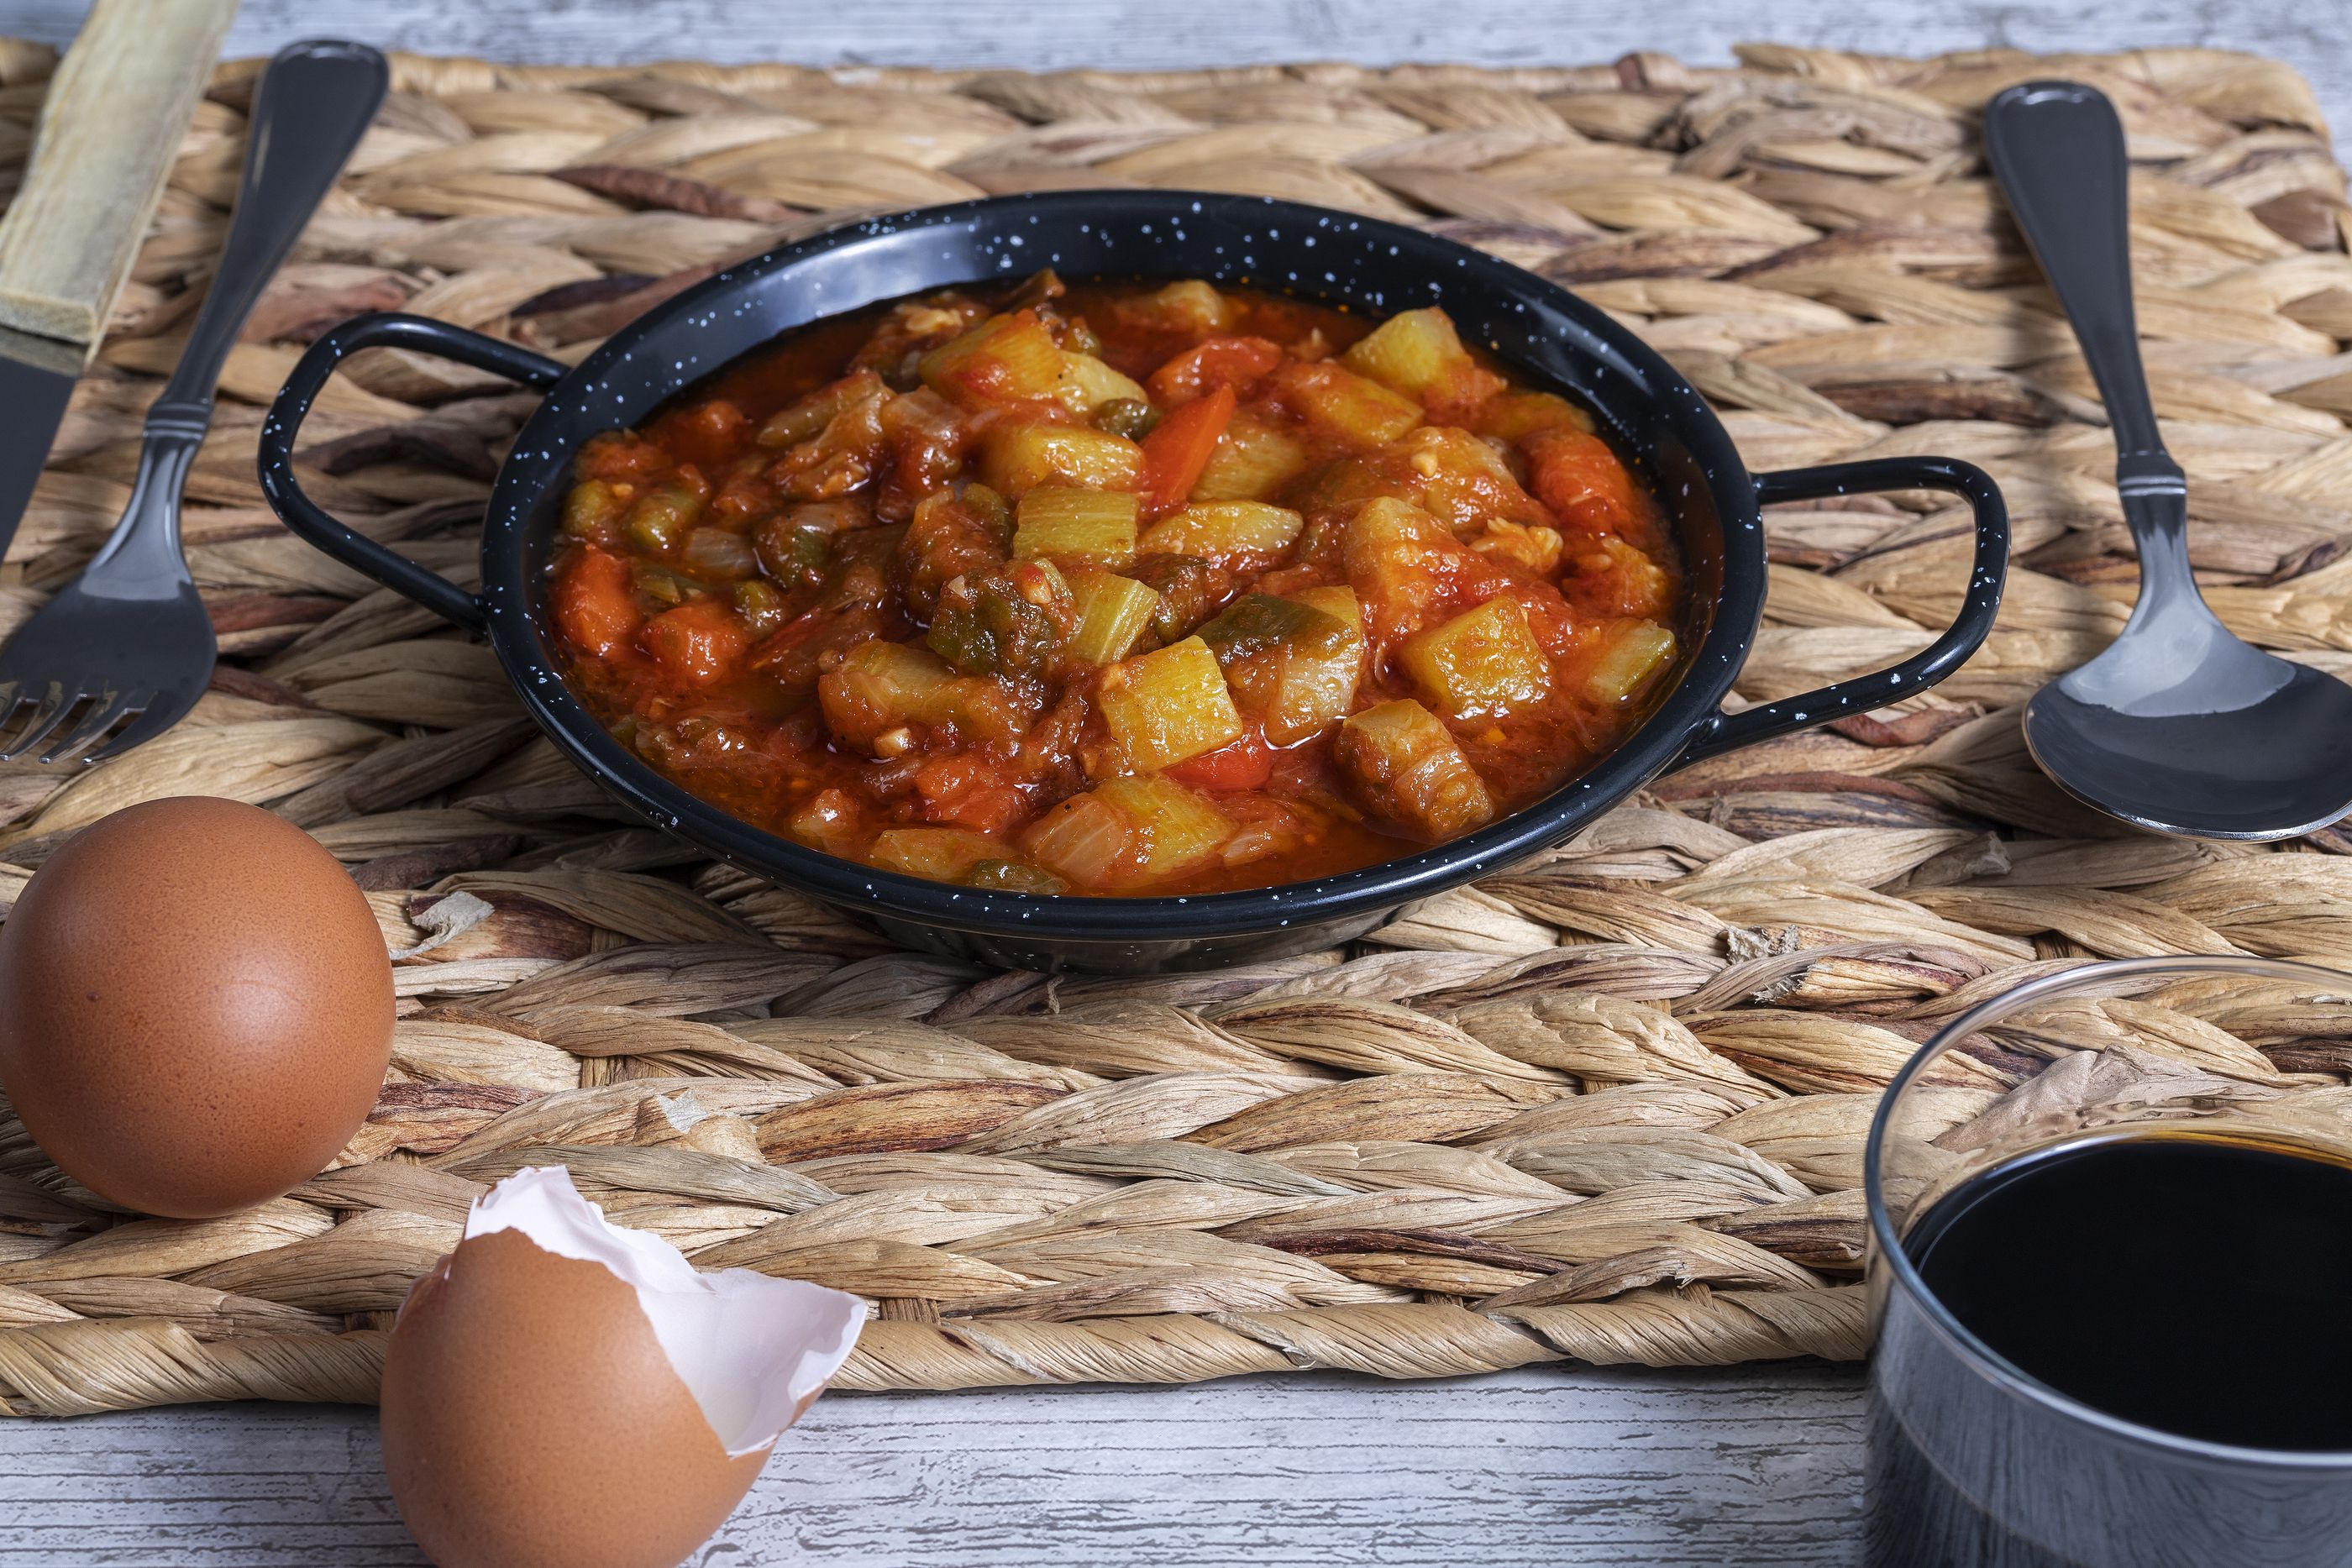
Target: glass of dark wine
2111, 1274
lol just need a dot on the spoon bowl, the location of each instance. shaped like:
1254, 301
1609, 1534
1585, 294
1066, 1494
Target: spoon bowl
2250, 747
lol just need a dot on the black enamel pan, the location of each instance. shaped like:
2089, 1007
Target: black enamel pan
1542, 332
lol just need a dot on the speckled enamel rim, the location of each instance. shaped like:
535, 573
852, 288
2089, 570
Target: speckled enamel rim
1542, 331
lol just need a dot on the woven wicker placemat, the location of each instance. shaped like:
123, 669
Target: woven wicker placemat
1607, 1107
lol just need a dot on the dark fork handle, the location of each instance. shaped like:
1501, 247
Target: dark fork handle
311, 109
314, 105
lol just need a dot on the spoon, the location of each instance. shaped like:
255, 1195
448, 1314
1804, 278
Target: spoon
2179, 727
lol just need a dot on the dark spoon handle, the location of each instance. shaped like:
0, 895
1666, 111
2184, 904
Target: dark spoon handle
2058, 151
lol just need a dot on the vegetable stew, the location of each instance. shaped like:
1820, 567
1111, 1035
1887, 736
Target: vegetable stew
1115, 587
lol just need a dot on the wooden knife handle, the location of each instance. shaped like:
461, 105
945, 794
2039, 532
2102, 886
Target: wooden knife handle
109, 129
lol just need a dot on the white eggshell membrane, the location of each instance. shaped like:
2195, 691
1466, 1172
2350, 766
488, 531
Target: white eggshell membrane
751, 1349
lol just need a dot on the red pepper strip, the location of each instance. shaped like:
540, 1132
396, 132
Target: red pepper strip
1178, 448
1243, 764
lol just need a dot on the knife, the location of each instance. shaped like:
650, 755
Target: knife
109, 129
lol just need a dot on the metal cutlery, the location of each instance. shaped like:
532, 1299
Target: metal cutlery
129, 642
112, 123
2179, 727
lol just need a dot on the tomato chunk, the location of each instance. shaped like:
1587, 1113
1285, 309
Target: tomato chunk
1244, 764
1576, 475
1178, 448
596, 604
969, 791
710, 432
1236, 362
700, 643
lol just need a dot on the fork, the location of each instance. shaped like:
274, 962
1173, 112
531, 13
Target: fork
130, 639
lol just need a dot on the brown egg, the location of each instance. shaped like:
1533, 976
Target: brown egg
196, 1007
532, 1419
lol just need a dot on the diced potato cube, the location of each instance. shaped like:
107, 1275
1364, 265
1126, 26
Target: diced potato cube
1176, 828
1384, 526
1404, 767
1633, 652
1254, 458
1086, 839
1166, 706
1339, 603
1076, 528
1410, 352
943, 855
1314, 688
1519, 412
1213, 528
1189, 306
1483, 662
1006, 358
1087, 384
1347, 406
881, 686
1113, 613
1018, 455
1127, 831
1397, 557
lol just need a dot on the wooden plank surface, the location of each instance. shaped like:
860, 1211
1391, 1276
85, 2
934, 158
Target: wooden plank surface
1754, 1465
1140, 33
1674, 1470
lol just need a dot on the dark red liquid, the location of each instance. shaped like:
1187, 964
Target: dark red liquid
2191, 1284
2187, 1282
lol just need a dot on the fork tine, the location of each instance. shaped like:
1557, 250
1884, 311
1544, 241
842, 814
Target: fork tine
145, 726
91, 730
52, 712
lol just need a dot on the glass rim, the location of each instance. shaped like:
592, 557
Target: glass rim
1990, 1364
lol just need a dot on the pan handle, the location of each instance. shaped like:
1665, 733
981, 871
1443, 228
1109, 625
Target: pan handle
279, 430
1726, 731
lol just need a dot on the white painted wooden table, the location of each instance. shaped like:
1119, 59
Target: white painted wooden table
1752, 1467
1675, 1470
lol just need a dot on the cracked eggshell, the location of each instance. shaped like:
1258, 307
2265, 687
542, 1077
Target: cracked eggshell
196, 1007
561, 1393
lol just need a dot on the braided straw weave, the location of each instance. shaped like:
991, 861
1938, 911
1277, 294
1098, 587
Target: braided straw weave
1607, 1107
